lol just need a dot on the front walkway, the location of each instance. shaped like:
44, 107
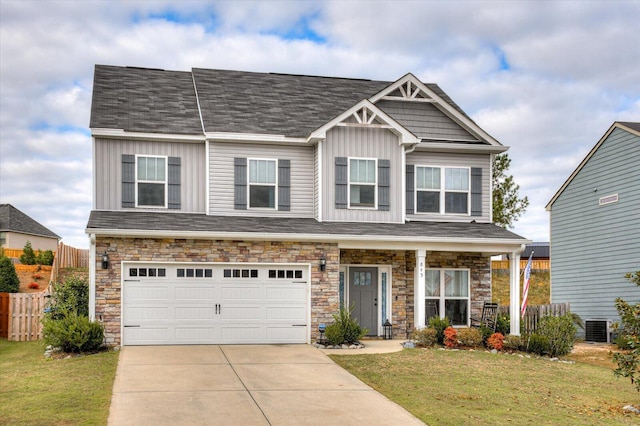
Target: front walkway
243, 385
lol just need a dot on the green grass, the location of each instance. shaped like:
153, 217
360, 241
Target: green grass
38, 391
539, 287
480, 388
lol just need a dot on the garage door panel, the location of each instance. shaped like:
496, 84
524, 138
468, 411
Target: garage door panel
216, 307
195, 312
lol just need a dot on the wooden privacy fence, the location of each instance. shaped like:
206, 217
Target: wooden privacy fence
529, 323
21, 315
12, 253
536, 264
68, 257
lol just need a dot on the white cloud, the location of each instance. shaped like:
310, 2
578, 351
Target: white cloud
546, 78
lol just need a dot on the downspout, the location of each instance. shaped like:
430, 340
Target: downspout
92, 276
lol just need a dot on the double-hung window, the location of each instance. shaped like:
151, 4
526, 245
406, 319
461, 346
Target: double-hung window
447, 295
443, 190
151, 181
362, 182
263, 182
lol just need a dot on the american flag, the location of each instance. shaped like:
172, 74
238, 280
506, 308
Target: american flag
525, 289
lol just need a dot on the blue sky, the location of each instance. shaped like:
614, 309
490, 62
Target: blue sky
545, 78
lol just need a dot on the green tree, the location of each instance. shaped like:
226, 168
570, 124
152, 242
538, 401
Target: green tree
507, 205
28, 256
629, 362
9, 281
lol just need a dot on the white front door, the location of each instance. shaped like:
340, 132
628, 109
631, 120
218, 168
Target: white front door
193, 303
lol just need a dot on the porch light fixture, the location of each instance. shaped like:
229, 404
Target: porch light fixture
105, 260
323, 263
388, 330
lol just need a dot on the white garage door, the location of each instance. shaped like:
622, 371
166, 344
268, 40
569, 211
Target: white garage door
174, 304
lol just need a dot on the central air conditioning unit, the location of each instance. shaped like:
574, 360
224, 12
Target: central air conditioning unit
598, 330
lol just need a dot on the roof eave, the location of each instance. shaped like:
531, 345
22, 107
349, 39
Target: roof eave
125, 134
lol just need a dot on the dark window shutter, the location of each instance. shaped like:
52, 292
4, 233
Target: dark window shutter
476, 191
284, 185
128, 180
410, 182
342, 183
240, 183
383, 185
173, 181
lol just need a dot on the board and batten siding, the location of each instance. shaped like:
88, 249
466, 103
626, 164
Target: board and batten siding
108, 171
221, 177
361, 142
482, 161
425, 120
593, 246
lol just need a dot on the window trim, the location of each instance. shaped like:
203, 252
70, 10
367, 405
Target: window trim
165, 182
442, 191
375, 184
443, 298
274, 185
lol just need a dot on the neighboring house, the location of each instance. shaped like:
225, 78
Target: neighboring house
240, 207
16, 228
595, 228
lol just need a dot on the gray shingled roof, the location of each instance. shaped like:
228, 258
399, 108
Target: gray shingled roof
631, 125
13, 220
158, 101
180, 222
144, 100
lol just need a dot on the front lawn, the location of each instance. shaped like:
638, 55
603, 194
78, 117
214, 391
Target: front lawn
37, 391
447, 387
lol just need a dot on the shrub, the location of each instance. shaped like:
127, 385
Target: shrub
629, 362
623, 342
503, 324
439, 324
34, 286
72, 295
425, 337
9, 282
334, 334
28, 256
349, 328
36, 277
450, 337
486, 333
73, 333
512, 342
538, 344
560, 332
471, 337
44, 258
495, 341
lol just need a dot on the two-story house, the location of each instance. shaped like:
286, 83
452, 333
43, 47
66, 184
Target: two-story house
241, 207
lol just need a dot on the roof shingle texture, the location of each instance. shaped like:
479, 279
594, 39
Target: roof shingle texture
158, 101
13, 220
180, 222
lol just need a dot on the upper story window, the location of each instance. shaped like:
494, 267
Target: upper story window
151, 181
262, 183
362, 182
442, 190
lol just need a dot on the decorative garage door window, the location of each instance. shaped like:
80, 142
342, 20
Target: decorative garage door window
285, 273
148, 272
240, 273
194, 273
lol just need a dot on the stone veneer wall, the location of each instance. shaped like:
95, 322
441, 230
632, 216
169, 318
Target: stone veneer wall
324, 285
480, 274
403, 265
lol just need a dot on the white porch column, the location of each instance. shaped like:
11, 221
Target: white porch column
418, 289
92, 277
514, 292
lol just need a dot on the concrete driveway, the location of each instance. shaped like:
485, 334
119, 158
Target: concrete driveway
243, 385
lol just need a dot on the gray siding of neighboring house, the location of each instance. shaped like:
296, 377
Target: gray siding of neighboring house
425, 120
593, 246
221, 169
482, 161
361, 142
108, 171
